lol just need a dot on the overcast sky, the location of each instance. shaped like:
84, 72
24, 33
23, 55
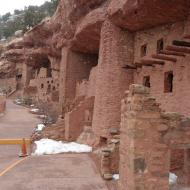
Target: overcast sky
11, 5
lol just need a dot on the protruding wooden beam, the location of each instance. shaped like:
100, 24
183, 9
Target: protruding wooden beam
140, 64
178, 49
152, 61
167, 52
181, 43
164, 57
186, 36
130, 67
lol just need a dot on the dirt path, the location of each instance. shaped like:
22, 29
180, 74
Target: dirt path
56, 172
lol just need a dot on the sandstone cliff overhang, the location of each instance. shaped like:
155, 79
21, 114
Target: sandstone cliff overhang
87, 36
141, 14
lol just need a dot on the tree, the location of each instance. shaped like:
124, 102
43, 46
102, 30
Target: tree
6, 17
25, 19
17, 12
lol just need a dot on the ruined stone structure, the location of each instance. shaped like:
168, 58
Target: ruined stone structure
86, 56
148, 137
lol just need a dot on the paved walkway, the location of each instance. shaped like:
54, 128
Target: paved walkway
55, 172
58, 172
16, 123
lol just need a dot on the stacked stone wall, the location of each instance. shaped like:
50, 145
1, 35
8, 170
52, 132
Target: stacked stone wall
116, 50
150, 37
78, 118
178, 99
148, 137
77, 66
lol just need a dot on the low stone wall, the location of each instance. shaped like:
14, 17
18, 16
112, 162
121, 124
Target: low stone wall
2, 103
79, 117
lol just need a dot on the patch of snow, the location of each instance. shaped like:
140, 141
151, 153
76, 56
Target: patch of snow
35, 110
42, 116
48, 146
172, 179
32, 105
40, 127
18, 101
116, 176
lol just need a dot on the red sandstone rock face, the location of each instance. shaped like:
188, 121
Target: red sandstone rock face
136, 15
87, 36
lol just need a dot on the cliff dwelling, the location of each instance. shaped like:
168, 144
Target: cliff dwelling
113, 75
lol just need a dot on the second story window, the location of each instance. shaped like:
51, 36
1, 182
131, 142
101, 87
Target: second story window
168, 82
146, 81
160, 45
143, 50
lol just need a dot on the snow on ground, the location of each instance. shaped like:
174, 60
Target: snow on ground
42, 116
48, 146
18, 101
116, 176
172, 179
40, 127
35, 110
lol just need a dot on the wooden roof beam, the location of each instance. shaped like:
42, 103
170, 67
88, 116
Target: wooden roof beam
140, 64
178, 49
175, 53
164, 57
129, 67
187, 36
152, 61
181, 43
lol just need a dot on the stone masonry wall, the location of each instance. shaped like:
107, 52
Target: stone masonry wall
181, 90
147, 137
45, 87
87, 87
144, 158
116, 50
181, 69
76, 67
78, 118
150, 36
